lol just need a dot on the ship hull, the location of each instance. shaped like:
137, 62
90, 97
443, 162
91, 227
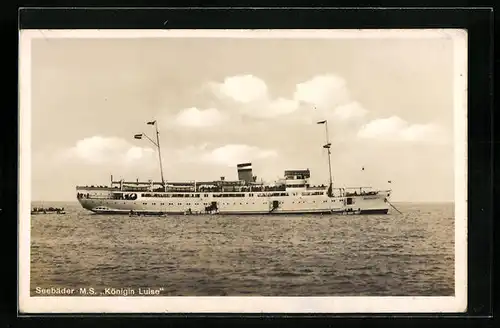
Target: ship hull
166, 204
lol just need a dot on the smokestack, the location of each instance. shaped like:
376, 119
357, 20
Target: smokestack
245, 172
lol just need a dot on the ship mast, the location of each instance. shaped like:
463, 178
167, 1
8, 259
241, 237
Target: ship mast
157, 145
159, 151
327, 147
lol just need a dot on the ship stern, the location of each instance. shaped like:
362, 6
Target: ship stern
370, 203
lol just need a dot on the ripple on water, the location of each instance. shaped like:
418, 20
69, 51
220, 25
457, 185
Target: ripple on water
410, 254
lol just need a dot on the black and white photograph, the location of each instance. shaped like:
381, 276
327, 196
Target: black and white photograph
290, 171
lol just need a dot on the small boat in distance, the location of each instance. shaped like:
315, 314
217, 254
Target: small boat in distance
48, 210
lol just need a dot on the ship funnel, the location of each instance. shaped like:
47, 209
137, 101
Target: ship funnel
245, 172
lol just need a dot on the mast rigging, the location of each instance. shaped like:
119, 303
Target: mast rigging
327, 146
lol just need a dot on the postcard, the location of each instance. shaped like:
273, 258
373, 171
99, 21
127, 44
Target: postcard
243, 171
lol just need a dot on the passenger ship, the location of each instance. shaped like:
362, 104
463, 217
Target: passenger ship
291, 194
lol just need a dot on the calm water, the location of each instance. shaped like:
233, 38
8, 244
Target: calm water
396, 255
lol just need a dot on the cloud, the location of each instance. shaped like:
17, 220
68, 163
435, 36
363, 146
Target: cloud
268, 109
233, 154
322, 96
324, 91
242, 88
98, 150
327, 97
282, 106
395, 128
137, 153
250, 96
227, 155
103, 150
194, 117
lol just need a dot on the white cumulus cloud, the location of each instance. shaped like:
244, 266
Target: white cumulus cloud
282, 106
395, 128
250, 96
227, 155
324, 91
236, 153
323, 95
242, 88
194, 117
102, 150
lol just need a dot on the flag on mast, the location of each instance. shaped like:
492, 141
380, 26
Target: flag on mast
321, 122
151, 123
138, 136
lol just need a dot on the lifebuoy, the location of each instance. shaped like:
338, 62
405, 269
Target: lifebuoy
133, 196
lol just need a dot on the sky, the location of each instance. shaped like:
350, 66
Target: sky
223, 101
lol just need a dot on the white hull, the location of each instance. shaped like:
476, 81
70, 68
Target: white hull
164, 203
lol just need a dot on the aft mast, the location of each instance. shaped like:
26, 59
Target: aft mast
159, 149
327, 147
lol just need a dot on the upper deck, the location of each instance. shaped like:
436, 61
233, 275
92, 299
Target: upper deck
219, 191
292, 181
199, 187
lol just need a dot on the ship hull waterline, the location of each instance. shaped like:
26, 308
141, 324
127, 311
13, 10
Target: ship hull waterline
145, 213
318, 205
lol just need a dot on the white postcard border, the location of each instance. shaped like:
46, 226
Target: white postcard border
250, 304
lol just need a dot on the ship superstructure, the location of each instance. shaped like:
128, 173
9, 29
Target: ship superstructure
291, 194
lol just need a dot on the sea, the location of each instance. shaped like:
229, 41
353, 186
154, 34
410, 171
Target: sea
408, 254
